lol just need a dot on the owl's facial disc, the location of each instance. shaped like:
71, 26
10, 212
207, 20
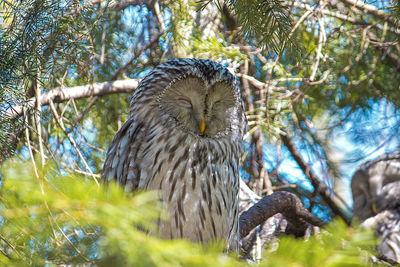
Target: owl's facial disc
220, 104
202, 110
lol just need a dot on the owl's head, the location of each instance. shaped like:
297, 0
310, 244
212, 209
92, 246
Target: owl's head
198, 96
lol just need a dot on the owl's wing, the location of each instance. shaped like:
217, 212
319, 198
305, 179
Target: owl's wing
121, 163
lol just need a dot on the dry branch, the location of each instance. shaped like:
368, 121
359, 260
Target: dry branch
286, 203
58, 95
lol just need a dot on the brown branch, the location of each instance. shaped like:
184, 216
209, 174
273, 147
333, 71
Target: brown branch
59, 95
319, 186
286, 203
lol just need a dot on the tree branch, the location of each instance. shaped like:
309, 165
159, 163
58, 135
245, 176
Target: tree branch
320, 187
58, 95
286, 203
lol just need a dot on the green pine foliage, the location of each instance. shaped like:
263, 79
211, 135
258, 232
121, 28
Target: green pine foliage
55, 218
214, 48
336, 246
63, 219
267, 22
36, 39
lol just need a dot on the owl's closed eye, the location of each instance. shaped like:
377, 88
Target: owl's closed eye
199, 108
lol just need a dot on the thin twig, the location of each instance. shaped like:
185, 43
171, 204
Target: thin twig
162, 25
85, 173
38, 122
28, 142
61, 124
10, 245
321, 41
370, 9
83, 113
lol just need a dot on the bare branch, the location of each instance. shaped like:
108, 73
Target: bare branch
286, 203
28, 142
80, 116
59, 95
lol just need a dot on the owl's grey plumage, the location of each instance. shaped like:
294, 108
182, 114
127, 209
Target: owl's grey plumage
183, 138
376, 194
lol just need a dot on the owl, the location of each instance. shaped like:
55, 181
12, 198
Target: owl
376, 202
183, 138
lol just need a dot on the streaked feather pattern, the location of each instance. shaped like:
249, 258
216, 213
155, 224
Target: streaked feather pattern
197, 176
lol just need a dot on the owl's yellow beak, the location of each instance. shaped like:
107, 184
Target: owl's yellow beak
202, 126
374, 209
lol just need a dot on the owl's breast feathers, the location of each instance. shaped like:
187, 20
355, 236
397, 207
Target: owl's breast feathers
198, 182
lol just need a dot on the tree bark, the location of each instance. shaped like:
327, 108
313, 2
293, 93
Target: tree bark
286, 203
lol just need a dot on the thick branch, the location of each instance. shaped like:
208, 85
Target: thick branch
320, 187
62, 94
286, 203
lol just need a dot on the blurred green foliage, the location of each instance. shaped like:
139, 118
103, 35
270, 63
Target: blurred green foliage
59, 218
